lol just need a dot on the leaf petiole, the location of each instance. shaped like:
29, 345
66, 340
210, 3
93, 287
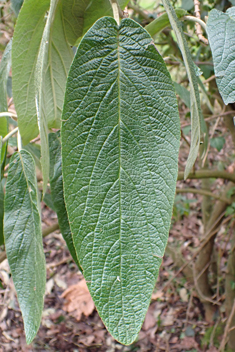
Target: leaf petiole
9, 135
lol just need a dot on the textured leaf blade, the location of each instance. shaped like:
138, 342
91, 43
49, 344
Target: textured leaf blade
5, 66
196, 114
43, 54
221, 29
79, 15
120, 141
23, 240
57, 192
26, 43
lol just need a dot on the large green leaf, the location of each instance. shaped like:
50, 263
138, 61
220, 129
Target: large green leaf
80, 15
26, 44
221, 29
57, 192
23, 239
120, 141
5, 66
196, 114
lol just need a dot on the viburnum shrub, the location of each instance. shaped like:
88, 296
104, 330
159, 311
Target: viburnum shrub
109, 131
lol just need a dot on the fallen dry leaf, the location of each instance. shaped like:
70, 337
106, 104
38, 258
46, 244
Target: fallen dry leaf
188, 343
149, 321
78, 300
184, 294
156, 295
169, 318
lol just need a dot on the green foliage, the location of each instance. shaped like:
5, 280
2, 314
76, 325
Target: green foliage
16, 5
50, 81
116, 164
187, 4
5, 66
162, 22
230, 209
220, 29
182, 206
57, 192
120, 142
196, 114
1, 212
217, 142
183, 93
23, 239
217, 333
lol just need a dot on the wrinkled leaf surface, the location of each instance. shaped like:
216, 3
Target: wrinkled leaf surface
57, 191
23, 240
120, 141
26, 44
221, 29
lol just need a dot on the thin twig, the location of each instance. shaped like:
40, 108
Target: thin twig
212, 134
213, 333
208, 174
204, 193
226, 330
7, 113
197, 20
19, 141
199, 25
185, 139
115, 8
209, 79
205, 298
230, 112
210, 233
140, 12
9, 135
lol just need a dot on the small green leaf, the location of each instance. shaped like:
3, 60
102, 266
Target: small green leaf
5, 66
120, 142
196, 114
57, 192
16, 6
187, 4
221, 29
217, 142
26, 43
162, 22
183, 93
35, 150
49, 202
23, 240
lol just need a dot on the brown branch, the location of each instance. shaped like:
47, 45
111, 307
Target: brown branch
140, 12
198, 26
232, 112
226, 330
45, 233
210, 233
204, 193
208, 174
